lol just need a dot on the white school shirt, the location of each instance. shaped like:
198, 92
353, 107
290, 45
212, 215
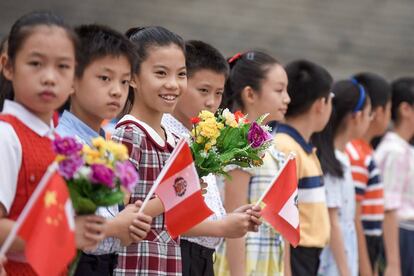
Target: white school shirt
11, 149
212, 197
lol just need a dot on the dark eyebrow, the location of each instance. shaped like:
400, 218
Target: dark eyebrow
40, 55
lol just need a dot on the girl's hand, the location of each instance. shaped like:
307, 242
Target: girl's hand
89, 231
140, 226
254, 213
204, 186
235, 225
2, 270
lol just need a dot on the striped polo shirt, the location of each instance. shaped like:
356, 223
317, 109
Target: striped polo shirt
369, 188
313, 212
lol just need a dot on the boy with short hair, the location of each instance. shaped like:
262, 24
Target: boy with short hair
105, 65
308, 112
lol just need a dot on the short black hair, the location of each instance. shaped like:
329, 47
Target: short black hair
378, 88
307, 83
402, 91
200, 55
98, 41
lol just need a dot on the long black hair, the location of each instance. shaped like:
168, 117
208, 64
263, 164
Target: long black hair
247, 69
350, 97
144, 38
19, 33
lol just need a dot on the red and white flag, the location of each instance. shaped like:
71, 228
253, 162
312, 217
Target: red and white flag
47, 226
178, 187
281, 209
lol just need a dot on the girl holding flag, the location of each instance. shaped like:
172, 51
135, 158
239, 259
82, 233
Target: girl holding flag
257, 84
36, 79
160, 80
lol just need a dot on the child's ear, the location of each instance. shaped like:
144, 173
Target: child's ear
7, 67
133, 84
319, 105
404, 109
248, 95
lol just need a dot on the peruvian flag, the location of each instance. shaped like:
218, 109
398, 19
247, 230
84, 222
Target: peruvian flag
281, 209
47, 226
178, 187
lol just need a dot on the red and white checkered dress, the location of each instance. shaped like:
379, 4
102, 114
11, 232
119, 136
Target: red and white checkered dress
158, 254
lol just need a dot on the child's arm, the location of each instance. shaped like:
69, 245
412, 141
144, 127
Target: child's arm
89, 231
364, 262
391, 243
6, 226
236, 193
2, 262
337, 243
128, 225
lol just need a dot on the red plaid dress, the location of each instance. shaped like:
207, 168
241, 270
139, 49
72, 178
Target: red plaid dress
158, 254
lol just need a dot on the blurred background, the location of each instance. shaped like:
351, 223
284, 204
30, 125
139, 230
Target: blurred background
345, 36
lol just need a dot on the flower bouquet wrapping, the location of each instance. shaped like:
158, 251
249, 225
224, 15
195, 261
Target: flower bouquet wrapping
94, 174
225, 138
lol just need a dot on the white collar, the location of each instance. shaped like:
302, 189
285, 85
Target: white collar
175, 126
154, 135
28, 118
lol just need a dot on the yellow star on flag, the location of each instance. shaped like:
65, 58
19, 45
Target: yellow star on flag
50, 198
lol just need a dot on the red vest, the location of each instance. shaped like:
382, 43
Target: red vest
37, 155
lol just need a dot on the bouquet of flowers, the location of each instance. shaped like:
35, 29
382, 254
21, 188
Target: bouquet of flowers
95, 175
224, 138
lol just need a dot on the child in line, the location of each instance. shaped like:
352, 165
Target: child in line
349, 120
39, 73
207, 71
160, 80
106, 62
368, 184
309, 111
395, 159
257, 85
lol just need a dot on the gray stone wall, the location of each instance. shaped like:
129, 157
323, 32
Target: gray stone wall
346, 36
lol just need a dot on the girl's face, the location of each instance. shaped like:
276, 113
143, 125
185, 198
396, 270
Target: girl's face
43, 70
161, 80
361, 121
273, 97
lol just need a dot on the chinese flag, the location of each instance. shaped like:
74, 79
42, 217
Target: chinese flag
180, 192
48, 229
281, 209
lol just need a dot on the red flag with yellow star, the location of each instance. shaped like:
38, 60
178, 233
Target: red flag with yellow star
48, 228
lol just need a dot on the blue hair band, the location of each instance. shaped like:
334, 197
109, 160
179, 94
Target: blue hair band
362, 96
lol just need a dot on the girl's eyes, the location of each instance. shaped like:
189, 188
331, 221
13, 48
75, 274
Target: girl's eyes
34, 63
125, 82
182, 74
219, 93
104, 78
203, 90
161, 73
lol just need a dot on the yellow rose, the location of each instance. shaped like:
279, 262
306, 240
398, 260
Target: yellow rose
204, 115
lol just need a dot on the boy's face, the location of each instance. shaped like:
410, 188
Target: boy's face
204, 92
325, 110
102, 90
381, 120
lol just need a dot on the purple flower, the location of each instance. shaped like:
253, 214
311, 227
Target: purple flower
66, 146
101, 174
257, 136
127, 174
69, 166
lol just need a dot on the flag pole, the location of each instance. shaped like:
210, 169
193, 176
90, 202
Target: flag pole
291, 156
161, 175
13, 233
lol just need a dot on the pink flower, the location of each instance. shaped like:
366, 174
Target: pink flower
127, 174
66, 146
69, 166
101, 174
257, 136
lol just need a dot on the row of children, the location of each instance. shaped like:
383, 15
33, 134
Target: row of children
158, 83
